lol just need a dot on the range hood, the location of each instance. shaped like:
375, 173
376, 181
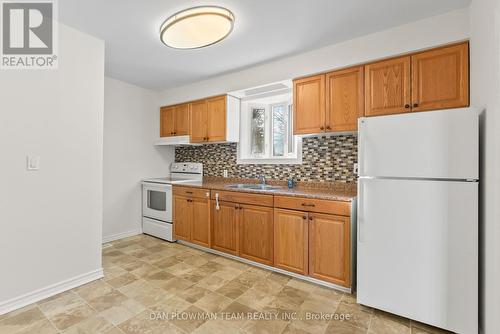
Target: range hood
173, 140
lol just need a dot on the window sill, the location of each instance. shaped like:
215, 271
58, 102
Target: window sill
270, 161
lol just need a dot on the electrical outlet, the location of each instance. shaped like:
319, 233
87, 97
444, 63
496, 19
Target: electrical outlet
224, 172
355, 168
32, 162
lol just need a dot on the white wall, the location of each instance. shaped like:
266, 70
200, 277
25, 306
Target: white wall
450, 27
131, 125
485, 94
51, 219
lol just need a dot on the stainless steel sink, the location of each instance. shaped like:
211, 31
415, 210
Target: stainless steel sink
253, 186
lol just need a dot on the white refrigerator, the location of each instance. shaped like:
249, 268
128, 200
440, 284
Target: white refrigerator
417, 248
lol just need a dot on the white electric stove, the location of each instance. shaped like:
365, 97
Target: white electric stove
157, 198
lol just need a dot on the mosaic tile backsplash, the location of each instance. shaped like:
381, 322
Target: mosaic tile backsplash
324, 158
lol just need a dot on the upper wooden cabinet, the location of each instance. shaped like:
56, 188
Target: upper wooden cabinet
440, 78
344, 99
309, 105
428, 80
215, 119
387, 87
181, 120
329, 102
167, 125
198, 121
174, 120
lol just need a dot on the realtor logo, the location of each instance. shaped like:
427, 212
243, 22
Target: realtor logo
28, 34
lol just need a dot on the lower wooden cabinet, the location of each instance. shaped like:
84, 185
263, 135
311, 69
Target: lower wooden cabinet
183, 217
329, 248
225, 227
256, 233
243, 230
191, 216
278, 232
200, 223
291, 241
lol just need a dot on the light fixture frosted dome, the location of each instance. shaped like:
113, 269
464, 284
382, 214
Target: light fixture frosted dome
197, 27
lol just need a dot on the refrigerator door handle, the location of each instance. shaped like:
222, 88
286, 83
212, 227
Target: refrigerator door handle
361, 208
361, 171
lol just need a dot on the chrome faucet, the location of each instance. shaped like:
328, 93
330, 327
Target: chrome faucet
263, 180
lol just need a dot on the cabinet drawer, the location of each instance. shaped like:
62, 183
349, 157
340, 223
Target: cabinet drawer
191, 192
244, 198
313, 205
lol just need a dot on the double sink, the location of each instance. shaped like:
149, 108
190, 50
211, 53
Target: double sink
253, 186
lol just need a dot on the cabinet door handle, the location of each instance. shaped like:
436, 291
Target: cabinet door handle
189, 192
328, 127
415, 105
304, 217
321, 128
309, 204
407, 106
311, 217
236, 207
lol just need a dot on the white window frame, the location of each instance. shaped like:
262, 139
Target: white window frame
288, 159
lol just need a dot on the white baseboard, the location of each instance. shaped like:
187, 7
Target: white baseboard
121, 235
49, 291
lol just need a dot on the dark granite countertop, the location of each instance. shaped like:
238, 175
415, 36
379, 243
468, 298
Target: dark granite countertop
338, 191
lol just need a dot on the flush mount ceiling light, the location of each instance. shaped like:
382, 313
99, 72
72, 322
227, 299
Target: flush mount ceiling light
197, 27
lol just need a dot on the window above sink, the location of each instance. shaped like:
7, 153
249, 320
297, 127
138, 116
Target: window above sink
266, 126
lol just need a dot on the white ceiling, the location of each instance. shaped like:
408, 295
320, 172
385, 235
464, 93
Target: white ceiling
264, 30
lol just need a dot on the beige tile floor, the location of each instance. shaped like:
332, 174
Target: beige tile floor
152, 286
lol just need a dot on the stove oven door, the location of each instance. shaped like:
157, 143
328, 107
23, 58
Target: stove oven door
157, 201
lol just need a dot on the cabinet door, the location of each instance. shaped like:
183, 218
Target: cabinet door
167, 123
225, 226
387, 87
182, 120
344, 99
329, 248
440, 78
198, 121
256, 233
216, 118
200, 230
291, 241
183, 214
309, 105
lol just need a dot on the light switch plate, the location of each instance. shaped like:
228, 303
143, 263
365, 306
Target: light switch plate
32, 162
224, 173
